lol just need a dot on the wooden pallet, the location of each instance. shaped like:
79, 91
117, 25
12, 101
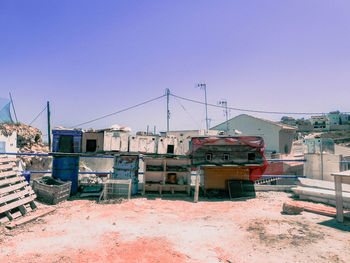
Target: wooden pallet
16, 195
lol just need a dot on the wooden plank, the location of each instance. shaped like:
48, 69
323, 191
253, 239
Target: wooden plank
13, 187
16, 204
217, 177
22, 193
322, 184
30, 218
5, 160
196, 191
8, 174
339, 198
12, 180
22, 209
32, 205
7, 166
9, 216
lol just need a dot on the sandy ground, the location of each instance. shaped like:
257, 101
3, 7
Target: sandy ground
176, 230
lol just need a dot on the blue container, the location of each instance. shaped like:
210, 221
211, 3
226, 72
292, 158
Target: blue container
126, 166
134, 186
26, 175
76, 137
66, 168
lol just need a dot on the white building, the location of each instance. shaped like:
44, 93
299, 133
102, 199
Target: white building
8, 143
278, 137
184, 138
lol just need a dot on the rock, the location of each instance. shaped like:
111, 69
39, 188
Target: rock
290, 209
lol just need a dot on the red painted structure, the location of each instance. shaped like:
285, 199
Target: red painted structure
238, 149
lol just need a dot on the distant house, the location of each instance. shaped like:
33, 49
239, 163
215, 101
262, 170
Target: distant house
320, 123
278, 137
8, 142
290, 121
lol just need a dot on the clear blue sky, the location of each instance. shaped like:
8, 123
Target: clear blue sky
90, 58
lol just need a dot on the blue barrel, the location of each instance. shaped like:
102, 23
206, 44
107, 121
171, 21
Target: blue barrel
26, 175
66, 168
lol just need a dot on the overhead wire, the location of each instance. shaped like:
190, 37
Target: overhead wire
247, 110
185, 110
37, 116
120, 111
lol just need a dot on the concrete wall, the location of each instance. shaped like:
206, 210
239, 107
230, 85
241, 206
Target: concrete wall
98, 136
163, 143
250, 126
10, 142
312, 166
116, 141
143, 144
184, 138
286, 138
98, 164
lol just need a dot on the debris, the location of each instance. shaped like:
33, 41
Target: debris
30, 218
291, 209
29, 140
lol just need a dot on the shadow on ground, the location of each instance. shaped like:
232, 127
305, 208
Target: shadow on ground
333, 223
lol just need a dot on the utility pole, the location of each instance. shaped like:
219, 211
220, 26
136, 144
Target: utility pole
49, 124
223, 103
204, 86
167, 91
13, 107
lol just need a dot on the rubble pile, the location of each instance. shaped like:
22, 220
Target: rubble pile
29, 140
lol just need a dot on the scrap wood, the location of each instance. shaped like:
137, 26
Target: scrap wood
313, 208
30, 218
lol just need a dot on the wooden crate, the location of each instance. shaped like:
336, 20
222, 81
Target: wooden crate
50, 190
15, 193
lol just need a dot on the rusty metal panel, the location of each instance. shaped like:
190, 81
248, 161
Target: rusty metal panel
217, 177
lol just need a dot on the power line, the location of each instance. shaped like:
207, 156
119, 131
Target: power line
120, 111
37, 116
185, 110
246, 110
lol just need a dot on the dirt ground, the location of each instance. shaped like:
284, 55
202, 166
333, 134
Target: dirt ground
174, 229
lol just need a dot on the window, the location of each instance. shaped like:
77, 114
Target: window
251, 156
65, 144
286, 148
226, 156
2, 147
208, 156
170, 148
91, 145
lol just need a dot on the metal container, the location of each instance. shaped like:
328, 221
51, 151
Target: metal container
51, 191
127, 167
66, 141
66, 168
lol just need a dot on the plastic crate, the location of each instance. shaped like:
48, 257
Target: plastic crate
50, 190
